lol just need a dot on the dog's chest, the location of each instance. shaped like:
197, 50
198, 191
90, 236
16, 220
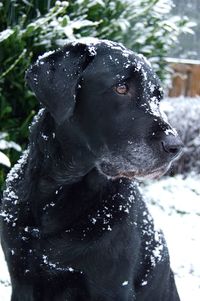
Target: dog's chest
71, 236
83, 214
82, 232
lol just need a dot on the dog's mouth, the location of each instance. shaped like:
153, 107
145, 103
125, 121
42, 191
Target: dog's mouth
111, 171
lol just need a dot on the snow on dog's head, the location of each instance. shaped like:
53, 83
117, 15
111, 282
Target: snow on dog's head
113, 94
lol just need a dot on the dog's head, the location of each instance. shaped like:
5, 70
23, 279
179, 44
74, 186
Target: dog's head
110, 96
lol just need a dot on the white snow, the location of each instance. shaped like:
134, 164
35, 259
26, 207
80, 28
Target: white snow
6, 34
4, 144
145, 59
174, 204
92, 50
125, 283
44, 55
171, 131
92, 43
4, 160
9, 144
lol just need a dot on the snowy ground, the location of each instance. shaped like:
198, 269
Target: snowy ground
175, 205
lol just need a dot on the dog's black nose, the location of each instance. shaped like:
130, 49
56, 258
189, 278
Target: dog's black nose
172, 145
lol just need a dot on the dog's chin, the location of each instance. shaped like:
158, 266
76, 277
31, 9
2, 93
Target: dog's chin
114, 173
154, 174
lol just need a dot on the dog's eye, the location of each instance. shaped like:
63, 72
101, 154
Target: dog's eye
121, 89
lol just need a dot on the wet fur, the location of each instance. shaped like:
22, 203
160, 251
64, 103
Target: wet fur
74, 226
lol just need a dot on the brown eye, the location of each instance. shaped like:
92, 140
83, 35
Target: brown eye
121, 89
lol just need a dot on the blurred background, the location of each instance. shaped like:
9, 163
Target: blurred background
167, 33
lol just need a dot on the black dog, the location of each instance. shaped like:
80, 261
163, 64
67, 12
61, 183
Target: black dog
74, 225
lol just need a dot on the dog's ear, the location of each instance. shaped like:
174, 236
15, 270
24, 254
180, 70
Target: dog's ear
54, 78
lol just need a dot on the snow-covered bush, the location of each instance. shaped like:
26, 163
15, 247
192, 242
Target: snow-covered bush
184, 115
4, 160
4, 146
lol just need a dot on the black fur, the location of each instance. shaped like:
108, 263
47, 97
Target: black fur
74, 225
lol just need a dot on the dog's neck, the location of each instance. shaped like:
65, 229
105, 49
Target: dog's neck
56, 171
58, 164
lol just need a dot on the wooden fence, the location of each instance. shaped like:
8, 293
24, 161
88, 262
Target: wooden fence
185, 78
